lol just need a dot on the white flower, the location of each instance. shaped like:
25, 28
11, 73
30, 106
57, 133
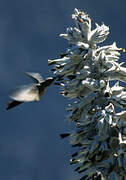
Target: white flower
99, 34
109, 48
87, 71
83, 22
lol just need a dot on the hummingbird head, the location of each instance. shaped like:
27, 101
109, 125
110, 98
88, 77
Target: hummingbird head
48, 81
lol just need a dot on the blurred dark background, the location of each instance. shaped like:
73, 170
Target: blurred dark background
30, 146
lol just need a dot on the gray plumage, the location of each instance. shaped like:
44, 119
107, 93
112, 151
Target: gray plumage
32, 92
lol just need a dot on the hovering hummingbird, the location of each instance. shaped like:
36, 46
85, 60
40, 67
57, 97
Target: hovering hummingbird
29, 93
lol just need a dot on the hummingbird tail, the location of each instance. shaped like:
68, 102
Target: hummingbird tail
12, 104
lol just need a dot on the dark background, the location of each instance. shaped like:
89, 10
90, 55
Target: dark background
30, 146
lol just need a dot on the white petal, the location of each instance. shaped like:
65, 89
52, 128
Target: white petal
99, 34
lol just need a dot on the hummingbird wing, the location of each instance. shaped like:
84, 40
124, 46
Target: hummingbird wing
26, 93
36, 77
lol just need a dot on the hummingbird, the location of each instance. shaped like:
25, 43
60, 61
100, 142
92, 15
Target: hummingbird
32, 92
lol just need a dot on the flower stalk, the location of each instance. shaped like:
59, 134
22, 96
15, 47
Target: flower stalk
86, 73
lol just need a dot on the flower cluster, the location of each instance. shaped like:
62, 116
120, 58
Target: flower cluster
86, 72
